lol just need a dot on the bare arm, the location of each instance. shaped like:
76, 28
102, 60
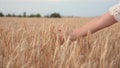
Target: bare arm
93, 26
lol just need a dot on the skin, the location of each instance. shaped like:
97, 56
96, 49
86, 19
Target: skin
94, 25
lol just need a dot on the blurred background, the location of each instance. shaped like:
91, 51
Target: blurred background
79, 8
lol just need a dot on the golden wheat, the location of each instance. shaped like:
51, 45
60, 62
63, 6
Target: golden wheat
35, 43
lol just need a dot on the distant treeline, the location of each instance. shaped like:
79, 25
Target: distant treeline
52, 15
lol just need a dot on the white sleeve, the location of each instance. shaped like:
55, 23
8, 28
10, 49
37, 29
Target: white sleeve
115, 12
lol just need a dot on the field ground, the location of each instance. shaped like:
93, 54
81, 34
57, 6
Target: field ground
35, 43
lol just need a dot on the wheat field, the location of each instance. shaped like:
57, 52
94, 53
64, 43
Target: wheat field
35, 43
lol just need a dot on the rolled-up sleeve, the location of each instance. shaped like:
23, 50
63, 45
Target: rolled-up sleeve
115, 12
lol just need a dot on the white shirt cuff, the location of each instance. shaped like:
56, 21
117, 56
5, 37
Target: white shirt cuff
115, 12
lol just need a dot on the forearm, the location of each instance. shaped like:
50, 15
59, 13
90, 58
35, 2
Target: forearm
93, 26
